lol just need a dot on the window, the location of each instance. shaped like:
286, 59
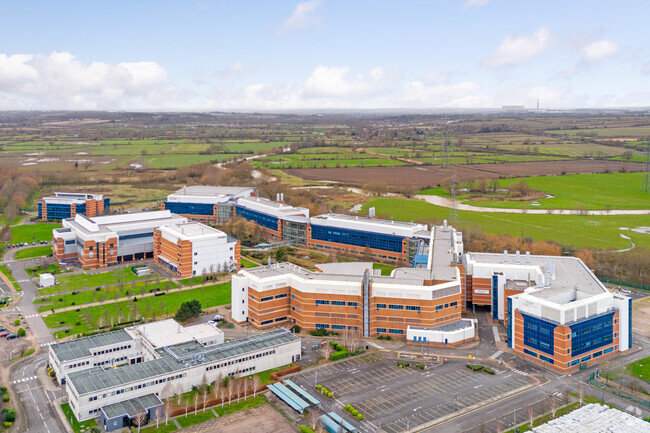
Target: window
453, 304
338, 327
293, 296
322, 325
381, 306
395, 307
252, 296
592, 333
575, 362
412, 308
530, 352
395, 331
538, 334
339, 303
585, 358
281, 319
546, 359
352, 304
381, 330
322, 302
266, 298
280, 296
357, 238
266, 322
608, 350
597, 354
439, 307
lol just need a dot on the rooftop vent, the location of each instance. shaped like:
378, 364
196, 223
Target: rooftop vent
528, 257
517, 257
444, 224
505, 256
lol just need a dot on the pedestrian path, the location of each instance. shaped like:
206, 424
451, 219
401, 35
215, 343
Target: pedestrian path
23, 380
523, 373
497, 354
32, 315
48, 344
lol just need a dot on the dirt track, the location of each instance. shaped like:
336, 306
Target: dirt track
424, 176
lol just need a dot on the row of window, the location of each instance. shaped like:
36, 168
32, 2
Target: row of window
112, 349
78, 364
357, 238
339, 327
99, 364
338, 303
144, 385
344, 250
390, 331
240, 360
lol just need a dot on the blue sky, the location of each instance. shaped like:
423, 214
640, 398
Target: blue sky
244, 55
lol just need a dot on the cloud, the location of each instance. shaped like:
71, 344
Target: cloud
302, 17
474, 3
335, 81
645, 69
238, 69
59, 81
599, 50
546, 94
463, 94
517, 49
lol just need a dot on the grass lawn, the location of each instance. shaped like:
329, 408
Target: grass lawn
242, 405
191, 419
547, 417
33, 232
107, 294
36, 271
28, 253
76, 425
82, 281
640, 369
247, 263
162, 428
265, 376
385, 269
191, 281
89, 318
580, 231
5, 270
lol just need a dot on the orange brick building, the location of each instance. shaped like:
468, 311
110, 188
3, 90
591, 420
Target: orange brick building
68, 204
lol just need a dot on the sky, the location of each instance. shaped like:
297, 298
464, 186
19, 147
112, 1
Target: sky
323, 54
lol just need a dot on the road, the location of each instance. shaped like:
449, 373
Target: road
36, 400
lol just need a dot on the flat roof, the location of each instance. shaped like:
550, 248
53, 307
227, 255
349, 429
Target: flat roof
391, 227
213, 190
81, 347
447, 327
131, 407
174, 358
192, 230
347, 268
161, 333
261, 204
110, 223
570, 273
203, 330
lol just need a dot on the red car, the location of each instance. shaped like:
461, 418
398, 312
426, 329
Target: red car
4, 334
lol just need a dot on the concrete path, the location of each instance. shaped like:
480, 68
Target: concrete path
446, 202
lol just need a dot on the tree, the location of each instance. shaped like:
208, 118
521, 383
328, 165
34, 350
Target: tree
140, 418
531, 416
230, 389
552, 405
196, 402
327, 351
581, 393
187, 310
21, 332
205, 392
520, 189
256, 384
281, 255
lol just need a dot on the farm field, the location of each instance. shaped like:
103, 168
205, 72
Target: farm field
91, 318
430, 176
641, 131
29, 253
579, 191
579, 231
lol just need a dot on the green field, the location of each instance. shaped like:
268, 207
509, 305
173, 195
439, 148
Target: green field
90, 318
247, 263
579, 231
33, 232
29, 253
102, 295
640, 369
191, 419
5, 270
77, 426
242, 405
385, 269
575, 191
604, 132
83, 281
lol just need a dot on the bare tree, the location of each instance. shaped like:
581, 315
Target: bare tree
196, 401
231, 390
565, 396
239, 385
499, 427
531, 416
552, 405
167, 408
257, 382
581, 393
217, 387
204, 395
140, 418
327, 350
179, 395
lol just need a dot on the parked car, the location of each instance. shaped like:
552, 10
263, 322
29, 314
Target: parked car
218, 318
2, 328
4, 334
213, 323
626, 291
12, 336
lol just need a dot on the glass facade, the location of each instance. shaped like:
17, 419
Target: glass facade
189, 208
509, 328
357, 238
495, 297
538, 334
107, 205
56, 211
592, 333
295, 232
262, 219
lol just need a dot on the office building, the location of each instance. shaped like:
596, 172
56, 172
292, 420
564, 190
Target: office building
206, 204
192, 248
69, 204
554, 308
114, 374
274, 217
103, 241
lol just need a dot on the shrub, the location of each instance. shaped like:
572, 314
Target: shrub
354, 412
320, 332
295, 329
360, 417
3, 390
7, 424
339, 355
319, 387
73, 303
333, 344
421, 366
348, 407
340, 348
402, 364
10, 415
187, 310
305, 429
384, 337
5, 398
475, 367
17, 322
330, 394
488, 370
21, 332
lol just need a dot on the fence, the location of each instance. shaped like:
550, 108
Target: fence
624, 283
593, 381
